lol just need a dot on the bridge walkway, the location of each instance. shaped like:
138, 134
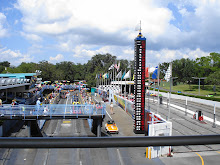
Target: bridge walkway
50, 111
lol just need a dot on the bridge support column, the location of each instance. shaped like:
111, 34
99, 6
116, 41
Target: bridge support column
99, 124
33, 129
29, 128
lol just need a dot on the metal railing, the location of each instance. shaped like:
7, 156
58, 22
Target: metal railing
51, 110
13, 81
107, 142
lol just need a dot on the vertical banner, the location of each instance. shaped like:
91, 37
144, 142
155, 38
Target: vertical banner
139, 84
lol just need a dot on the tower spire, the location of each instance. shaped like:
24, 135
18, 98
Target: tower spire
140, 35
140, 27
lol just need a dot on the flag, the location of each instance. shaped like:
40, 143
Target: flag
146, 72
107, 75
123, 75
154, 75
110, 75
103, 64
119, 75
127, 75
117, 66
168, 74
111, 67
138, 27
100, 76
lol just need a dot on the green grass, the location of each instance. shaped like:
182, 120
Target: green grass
193, 89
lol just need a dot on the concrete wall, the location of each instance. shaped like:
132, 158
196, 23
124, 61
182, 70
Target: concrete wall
8, 125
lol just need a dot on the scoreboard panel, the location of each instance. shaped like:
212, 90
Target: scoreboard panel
139, 84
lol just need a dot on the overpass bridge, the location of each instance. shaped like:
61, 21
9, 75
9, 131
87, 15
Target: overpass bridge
33, 113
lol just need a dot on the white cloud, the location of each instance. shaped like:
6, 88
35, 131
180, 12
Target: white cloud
57, 58
92, 27
16, 22
14, 57
3, 31
85, 52
165, 55
62, 16
129, 52
35, 49
32, 37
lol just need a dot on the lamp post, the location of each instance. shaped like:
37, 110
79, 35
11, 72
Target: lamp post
171, 82
199, 81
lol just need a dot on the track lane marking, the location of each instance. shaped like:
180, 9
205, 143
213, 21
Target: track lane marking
218, 152
66, 121
200, 158
108, 115
120, 158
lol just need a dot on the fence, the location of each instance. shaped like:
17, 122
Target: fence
51, 110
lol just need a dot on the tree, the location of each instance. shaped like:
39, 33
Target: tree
183, 69
27, 67
48, 70
163, 68
66, 70
3, 65
214, 78
215, 61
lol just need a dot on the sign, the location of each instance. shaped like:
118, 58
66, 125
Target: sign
139, 84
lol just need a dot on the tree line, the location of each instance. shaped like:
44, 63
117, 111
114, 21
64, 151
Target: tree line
207, 67
183, 68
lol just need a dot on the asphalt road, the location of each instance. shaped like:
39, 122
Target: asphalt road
182, 125
85, 156
185, 125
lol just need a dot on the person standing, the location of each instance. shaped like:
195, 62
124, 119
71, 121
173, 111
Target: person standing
38, 104
14, 102
111, 107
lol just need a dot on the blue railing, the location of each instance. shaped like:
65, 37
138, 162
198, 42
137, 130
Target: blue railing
52, 110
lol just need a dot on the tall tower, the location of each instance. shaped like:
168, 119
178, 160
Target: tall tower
139, 83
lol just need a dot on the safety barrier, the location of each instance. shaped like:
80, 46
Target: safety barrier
107, 142
125, 104
51, 110
157, 126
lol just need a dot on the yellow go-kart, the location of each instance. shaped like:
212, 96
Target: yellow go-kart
75, 103
111, 127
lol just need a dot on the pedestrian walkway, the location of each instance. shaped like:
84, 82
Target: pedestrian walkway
125, 127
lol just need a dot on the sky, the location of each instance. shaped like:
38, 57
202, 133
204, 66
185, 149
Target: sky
73, 30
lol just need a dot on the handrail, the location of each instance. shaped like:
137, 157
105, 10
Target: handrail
106, 142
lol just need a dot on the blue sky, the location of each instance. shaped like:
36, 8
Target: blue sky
67, 30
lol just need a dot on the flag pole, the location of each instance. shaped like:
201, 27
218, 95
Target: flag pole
149, 89
113, 75
121, 83
102, 80
97, 81
158, 85
130, 83
170, 88
107, 79
125, 86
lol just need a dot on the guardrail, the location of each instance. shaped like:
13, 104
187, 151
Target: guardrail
107, 142
51, 110
12, 81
